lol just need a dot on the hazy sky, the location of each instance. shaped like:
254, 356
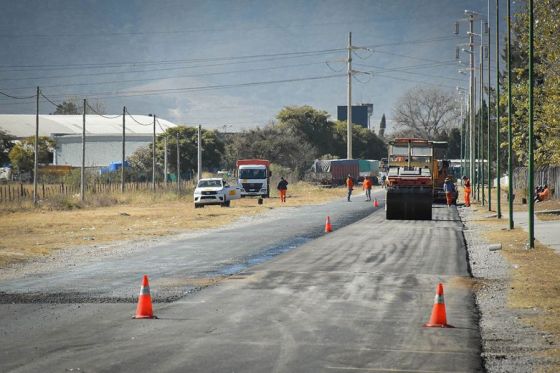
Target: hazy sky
218, 63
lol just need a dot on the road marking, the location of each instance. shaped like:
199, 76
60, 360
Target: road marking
395, 370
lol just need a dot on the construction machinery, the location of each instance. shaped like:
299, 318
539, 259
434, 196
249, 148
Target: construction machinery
413, 178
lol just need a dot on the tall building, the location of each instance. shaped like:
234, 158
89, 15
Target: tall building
361, 114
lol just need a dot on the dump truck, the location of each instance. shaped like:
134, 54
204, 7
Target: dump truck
410, 186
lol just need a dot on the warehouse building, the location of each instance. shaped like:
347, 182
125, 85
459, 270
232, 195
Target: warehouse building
103, 135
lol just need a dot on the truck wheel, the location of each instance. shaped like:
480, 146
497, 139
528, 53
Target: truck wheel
227, 203
267, 195
198, 206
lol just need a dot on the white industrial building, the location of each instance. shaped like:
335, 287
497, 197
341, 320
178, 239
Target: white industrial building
103, 135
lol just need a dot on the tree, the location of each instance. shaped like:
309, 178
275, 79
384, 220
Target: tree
6, 144
382, 126
308, 123
67, 108
22, 154
546, 84
141, 160
212, 148
425, 112
75, 106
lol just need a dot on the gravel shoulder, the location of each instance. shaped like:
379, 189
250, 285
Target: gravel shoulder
509, 344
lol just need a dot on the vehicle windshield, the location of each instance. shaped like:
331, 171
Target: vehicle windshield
252, 174
210, 184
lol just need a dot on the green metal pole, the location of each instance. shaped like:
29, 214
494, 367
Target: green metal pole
531, 183
489, 149
481, 130
510, 133
498, 189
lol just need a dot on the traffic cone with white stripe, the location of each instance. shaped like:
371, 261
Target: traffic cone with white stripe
328, 226
144, 308
438, 318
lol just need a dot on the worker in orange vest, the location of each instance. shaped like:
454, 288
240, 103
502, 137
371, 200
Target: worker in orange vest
467, 185
544, 195
367, 187
349, 185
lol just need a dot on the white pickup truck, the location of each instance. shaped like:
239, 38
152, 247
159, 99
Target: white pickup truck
215, 191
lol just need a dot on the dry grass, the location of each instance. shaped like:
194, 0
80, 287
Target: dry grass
535, 280
28, 233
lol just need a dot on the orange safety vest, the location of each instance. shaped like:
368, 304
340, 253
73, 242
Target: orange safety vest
367, 184
349, 182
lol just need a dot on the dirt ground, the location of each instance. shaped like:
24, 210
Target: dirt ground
535, 284
28, 233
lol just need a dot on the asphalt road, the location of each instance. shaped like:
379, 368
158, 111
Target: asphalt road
351, 300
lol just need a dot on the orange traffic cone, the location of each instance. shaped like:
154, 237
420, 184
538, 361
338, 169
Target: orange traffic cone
375, 203
328, 227
144, 308
438, 318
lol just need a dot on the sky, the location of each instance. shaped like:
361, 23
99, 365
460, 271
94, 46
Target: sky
228, 65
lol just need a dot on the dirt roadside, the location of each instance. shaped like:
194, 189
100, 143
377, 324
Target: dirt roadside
518, 292
35, 233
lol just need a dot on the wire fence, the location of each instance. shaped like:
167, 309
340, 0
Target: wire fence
549, 175
22, 192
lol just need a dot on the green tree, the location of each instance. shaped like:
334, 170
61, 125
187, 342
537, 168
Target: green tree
308, 123
22, 154
67, 108
212, 149
546, 84
6, 144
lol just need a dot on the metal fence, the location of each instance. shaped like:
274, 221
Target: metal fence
544, 175
20, 192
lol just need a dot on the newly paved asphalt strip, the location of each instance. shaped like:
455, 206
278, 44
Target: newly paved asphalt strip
173, 263
350, 301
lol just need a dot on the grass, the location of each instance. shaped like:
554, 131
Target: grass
535, 282
34, 232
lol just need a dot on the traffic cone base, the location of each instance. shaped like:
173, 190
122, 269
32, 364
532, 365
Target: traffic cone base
438, 319
144, 308
328, 226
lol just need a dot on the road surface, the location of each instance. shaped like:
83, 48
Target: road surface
350, 301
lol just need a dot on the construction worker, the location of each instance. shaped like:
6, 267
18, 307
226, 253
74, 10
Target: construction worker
543, 195
467, 185
283, 189
449, 189
349, 185
367, 187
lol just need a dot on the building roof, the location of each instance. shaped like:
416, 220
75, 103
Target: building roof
23, 125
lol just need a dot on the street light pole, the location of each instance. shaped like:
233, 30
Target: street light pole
531, 183
349, 97
471, 101
510, 134
498, 187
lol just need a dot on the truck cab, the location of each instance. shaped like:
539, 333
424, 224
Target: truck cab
215, 191
254, 177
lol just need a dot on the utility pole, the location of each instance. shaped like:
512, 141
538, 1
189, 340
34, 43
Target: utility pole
498, 187
83, 169
531, 181
488, 123
462, 137
178, 166
36, 151
349, 96
471, 98
165, 161
154, 156
510, 133
123, 146
199, 154
480, 125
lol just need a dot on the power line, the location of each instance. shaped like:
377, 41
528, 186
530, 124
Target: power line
134, 119
49, 100
28, 68
175, 76
17, 97
102, 115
